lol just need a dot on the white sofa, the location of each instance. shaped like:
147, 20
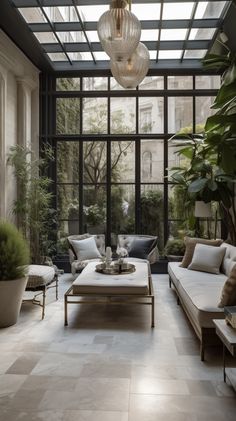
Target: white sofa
199, 294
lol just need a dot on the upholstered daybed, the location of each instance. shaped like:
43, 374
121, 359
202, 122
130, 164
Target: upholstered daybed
199, 294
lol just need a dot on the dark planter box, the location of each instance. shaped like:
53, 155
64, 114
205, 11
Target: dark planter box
62, 262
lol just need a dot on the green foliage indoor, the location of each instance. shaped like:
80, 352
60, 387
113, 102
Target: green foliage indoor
209, 170
14, 252
152, 203
33, 206
175, 247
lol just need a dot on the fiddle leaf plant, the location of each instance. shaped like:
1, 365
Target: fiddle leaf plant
209, 170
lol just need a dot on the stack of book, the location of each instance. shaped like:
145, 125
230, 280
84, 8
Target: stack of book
230, 316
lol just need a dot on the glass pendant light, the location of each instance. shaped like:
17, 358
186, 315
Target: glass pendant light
131, 72
119, 31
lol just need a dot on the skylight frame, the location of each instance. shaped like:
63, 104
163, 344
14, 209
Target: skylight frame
157, 25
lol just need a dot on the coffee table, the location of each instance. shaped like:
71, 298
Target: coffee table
91, 287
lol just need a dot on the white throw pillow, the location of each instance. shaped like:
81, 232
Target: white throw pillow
207, 258
86, 249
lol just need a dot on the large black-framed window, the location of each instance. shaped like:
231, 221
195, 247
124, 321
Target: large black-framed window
112, 152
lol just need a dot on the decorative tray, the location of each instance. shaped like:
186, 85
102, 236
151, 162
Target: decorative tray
115, 269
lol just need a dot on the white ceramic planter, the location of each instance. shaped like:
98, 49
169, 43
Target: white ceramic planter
11, 293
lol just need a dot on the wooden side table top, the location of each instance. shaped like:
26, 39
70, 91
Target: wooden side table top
227, 334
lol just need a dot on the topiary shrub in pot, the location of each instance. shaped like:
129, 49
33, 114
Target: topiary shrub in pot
174, 250
14, 258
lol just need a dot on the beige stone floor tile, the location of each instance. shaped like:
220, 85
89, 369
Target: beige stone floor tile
201, 388
54, 364
223, 389
24, 364
10, 383
107, 370
32, 347
96, 416
7, 359
165, 416
10, 415
154, 386
85, 371
103, 339
26, 400
34, 382
192, 404
90, 394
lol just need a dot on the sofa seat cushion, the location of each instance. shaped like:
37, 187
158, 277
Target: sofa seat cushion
92, 282
39, 275
199, 293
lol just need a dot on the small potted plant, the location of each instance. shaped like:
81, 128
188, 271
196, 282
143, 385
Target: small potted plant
14, 258
174, 249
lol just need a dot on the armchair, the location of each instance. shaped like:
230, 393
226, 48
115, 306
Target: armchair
125, 240
77, 265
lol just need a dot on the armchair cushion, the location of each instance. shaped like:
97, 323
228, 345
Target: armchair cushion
77, 264
85, 249
125, 240
141, 247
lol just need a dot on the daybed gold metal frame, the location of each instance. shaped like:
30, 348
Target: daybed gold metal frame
90, 298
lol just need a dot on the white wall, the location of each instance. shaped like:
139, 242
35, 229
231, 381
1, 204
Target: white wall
19, 105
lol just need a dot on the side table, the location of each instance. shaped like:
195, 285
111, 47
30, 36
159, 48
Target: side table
227, 336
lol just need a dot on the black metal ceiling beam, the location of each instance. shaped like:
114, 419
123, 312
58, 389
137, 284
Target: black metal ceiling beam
13, 24
189, 30
39, 3
83, 29
145, 24
160, 28
151, 45
162, 65
33, 3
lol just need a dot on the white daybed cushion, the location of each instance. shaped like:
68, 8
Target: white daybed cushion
199, 293
92, 282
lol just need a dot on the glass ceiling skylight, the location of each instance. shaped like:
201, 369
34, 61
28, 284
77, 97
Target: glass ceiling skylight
171, 30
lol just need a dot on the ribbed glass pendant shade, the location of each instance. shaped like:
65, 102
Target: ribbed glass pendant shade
119, 31
131, 72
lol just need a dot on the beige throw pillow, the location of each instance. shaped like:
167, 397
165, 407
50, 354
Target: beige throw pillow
190, 244
228, 295
207, 258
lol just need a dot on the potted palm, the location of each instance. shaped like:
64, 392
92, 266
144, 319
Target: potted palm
174, 250
14, 258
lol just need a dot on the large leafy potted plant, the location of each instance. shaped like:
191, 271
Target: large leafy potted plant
14, 258
210, 171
